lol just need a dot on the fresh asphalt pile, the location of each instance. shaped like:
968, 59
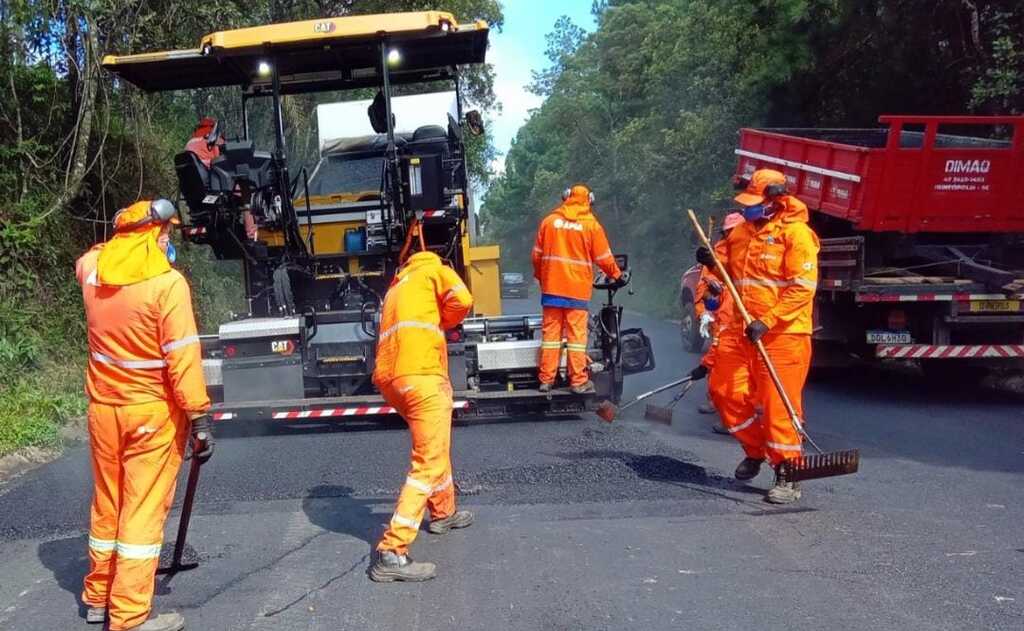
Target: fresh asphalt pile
593, 463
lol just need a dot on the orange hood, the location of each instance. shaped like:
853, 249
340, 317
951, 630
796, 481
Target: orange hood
793, 210
577, 205
132, 256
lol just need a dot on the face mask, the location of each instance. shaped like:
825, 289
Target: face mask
172, 254
756, 213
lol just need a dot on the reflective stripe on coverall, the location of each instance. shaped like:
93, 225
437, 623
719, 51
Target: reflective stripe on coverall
426, 298
774, 267
570, 241
144, 375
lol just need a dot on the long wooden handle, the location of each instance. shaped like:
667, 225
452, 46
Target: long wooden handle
747, 320
685, 380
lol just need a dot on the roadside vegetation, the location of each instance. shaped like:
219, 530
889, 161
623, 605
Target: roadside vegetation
646, 108
75, 147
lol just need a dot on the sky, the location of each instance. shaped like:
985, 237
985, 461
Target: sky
519, 49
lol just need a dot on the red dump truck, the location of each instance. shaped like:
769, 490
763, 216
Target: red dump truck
922, 233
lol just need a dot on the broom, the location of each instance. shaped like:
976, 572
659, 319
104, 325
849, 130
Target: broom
607, 410
820, 465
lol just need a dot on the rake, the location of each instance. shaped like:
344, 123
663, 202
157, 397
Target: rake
810, 467
608, 410
180, 546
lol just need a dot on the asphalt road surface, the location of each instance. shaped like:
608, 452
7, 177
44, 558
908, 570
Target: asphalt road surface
582, 525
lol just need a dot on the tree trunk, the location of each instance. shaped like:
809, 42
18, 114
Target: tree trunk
76, 169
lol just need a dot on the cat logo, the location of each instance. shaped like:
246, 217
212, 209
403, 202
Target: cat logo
282, 347
323, 27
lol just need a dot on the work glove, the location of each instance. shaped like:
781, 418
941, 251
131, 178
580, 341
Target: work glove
756, 330
623, 279
699, 373
714, 288
705, 258
705, 324
202, 438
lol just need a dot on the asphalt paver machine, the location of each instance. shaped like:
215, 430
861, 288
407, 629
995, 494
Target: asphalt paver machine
319, 247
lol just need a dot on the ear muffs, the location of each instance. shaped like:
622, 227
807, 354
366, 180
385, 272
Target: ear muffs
160, 211
740, 182
774, 190
568, 192
211, 138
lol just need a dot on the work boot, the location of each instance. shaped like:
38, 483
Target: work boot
545, 387
748, 469
458, 519
707, 408
783, 492
718, 428
162, 622
390, 566
95, 615
584, 388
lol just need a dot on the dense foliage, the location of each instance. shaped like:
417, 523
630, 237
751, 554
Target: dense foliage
75, 146
647, 107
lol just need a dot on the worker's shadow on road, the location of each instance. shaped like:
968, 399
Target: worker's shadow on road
68, 560
334, 509
658, 468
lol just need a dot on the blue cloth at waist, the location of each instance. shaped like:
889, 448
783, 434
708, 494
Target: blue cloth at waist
550, 300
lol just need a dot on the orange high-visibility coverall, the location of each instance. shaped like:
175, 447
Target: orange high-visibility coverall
774, 267
426, 299
144, 376
569, 242
723, 315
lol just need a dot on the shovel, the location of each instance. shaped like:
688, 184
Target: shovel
820, 465
608, 411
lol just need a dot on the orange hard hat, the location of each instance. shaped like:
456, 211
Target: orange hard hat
732, 220
755, 193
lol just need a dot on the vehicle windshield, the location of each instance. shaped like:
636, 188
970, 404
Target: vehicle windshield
337, 175
512, 277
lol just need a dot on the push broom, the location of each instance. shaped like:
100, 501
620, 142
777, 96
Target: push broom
607, 410
809, 467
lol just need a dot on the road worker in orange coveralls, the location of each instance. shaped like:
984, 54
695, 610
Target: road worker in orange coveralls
773, 259
204, 142
426, 299
569, 242
714, 311
146, 394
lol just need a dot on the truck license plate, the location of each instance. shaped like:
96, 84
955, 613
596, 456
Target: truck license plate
995, 305
889, 337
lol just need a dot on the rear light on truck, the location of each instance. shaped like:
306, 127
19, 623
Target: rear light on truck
897, 320
230, 351
454, 336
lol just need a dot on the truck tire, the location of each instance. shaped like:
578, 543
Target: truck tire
689, 329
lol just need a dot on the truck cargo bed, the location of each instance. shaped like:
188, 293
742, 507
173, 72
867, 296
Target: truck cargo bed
901, 179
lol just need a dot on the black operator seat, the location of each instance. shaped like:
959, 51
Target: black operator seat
428, 140
193, 179
240, 162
